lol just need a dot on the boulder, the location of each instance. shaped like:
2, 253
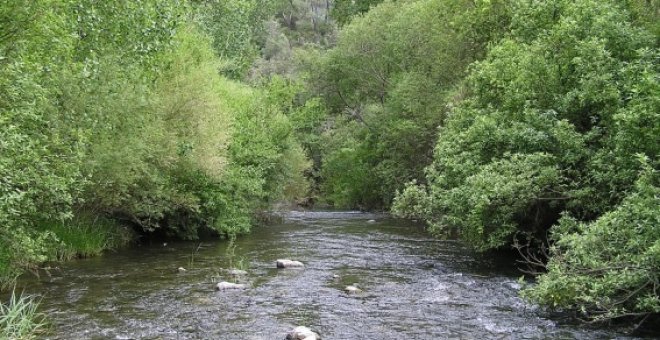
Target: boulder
302, 333
352, 289
224, 285
181, 270
289, 264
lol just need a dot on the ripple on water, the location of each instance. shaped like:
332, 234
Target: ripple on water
413, 287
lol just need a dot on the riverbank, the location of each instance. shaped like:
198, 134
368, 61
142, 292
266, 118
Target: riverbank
60, 241
82, 237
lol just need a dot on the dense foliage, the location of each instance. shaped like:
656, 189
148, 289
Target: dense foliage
609, 267
344, 10
505, 122
553, 123
389, 82
117, 110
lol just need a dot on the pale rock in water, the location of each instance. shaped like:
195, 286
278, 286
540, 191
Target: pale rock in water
302, 333
352, 289
289, 264
181, 270
228, 285
237, 272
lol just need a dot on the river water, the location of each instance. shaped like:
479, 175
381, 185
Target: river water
414, 287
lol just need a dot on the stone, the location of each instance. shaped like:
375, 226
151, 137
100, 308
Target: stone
237, 272
371, 221
224, 285
289, 264
181, 270
302, 333
352, 289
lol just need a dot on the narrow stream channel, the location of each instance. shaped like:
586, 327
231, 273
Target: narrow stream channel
415, 287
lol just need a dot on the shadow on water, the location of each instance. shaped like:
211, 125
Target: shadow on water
413, 287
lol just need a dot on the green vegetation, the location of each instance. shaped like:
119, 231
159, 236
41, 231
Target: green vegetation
389, 89
86, 236
506, 122
344, 10
502, 122
115, 114
19, 318
609, 267
552, 123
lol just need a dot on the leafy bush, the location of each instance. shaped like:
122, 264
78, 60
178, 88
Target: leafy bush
607, 268
538, 131
235, 29
117, 110
393, 74
39, 155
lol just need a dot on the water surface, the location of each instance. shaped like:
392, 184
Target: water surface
415, 287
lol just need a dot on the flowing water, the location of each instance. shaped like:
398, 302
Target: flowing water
414, 287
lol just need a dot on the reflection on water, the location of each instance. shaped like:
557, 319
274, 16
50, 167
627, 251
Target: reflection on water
414, 287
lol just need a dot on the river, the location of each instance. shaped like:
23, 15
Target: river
414, 287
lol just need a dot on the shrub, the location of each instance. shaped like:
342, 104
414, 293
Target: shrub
607, 268
541, 128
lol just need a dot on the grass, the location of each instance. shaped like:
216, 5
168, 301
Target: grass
195, 250
235, 262
20, 319
83, 236
87, 237
8, 272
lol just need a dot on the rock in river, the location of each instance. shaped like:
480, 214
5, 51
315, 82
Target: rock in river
228, 285
237, 272
352, 289
289, 264
302, 333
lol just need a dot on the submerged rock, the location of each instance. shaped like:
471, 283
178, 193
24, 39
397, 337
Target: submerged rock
371, 221
181, 270
302, 333
237, 272
289, 264
224, 285
352, 289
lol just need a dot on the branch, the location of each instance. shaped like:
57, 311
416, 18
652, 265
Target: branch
533, 257
354, 111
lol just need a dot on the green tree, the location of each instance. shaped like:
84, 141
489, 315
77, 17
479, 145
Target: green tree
548, 139
236, 30
344, 10
394, 71
607, 268
38, 158
116, 110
